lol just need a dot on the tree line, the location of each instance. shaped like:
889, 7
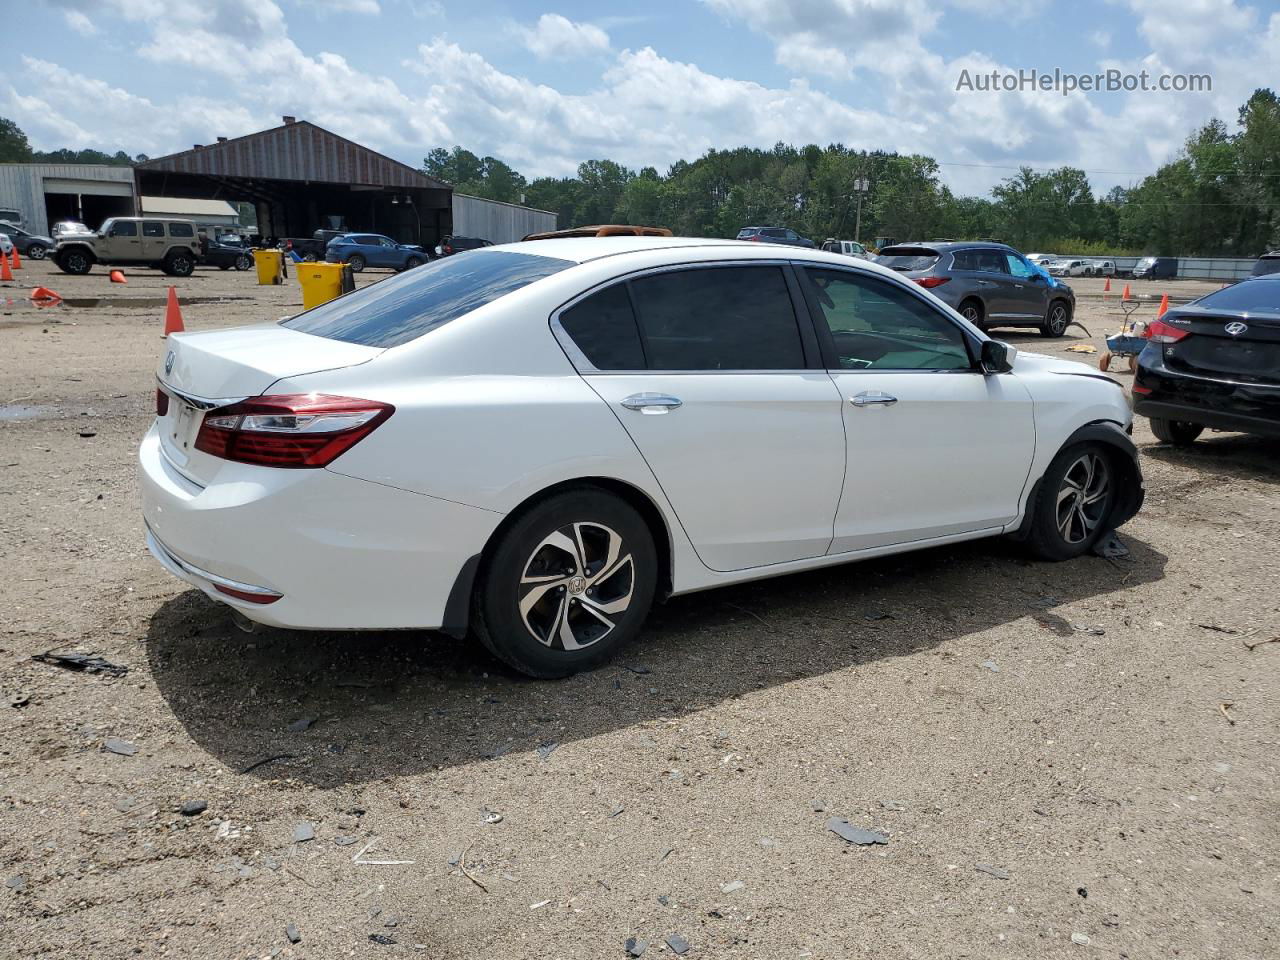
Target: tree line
1220, 196
15, 148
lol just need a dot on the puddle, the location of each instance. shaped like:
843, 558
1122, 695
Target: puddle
141, 303
25, 411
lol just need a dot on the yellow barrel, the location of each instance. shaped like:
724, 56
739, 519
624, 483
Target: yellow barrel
270, 264
322, 282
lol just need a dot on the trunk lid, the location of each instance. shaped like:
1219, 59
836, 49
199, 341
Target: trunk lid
202, 371
1240, 348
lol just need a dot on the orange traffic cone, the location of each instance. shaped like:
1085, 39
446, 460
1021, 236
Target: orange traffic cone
1106, 287
43, 296
5, 273
17, 260
173, 314
1164, 306
117, 276
1126, 295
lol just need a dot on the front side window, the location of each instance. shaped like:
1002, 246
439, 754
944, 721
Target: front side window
876, 326
603, 326
404, 307
124, 228
718, 318
386, 243
1017, 266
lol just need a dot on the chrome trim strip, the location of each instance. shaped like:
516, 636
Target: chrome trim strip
199, 403
155, 542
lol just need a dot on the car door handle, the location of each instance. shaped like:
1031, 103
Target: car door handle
871, 398
651, 402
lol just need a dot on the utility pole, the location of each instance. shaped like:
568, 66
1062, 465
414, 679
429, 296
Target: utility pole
860, 186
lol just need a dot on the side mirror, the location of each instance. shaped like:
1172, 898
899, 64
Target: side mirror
997, 356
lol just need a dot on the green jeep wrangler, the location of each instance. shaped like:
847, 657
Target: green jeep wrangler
171, 245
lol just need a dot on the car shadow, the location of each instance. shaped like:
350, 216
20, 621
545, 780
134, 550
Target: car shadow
1238, 455
397, 703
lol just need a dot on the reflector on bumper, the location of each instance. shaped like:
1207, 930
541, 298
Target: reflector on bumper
247, 592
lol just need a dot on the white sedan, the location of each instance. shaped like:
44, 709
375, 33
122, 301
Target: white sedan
531, 442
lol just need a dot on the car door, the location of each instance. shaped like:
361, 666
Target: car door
124, 245
996, 284
1029, 293
935, 448
153, 239
388, 253
369, 248
714, 372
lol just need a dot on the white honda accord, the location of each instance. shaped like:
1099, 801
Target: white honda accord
531, 442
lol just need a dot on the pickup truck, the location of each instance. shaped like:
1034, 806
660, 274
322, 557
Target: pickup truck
312, 248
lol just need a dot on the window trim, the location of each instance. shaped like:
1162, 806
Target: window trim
809, 343
832, 361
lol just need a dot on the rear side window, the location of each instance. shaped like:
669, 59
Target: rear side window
152, 228
1247, 296
603, 326
1266, 266
909, 258
406, 306
181, 230
773, 232
718, 318
747, 232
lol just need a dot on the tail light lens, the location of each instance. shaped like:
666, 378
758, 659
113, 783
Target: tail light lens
448, 249
162, 402
290, 430
1160, 332
930, 282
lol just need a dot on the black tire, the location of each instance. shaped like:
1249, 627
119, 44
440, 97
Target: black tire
412, 262
532, 640
179, 264
356, 262
76, 261
1056, 319
37, 251
244, 262
974, 311
1072, 505
1181, 433
224, 266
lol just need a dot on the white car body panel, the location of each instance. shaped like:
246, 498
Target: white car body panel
491, 412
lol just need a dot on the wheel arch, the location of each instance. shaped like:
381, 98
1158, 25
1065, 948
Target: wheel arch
71, 247
457, 610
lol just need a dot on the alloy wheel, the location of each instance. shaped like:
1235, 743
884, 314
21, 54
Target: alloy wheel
1058, 319
576, 585
36, 252
1084, 498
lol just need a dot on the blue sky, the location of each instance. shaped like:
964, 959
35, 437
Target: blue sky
547, 85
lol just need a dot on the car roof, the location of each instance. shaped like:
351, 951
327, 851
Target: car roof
947, 246
587, 249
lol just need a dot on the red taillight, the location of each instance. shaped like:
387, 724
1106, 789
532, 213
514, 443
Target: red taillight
162, 402
929, 282
1137, 388
289, 430
246, 595
448, 249
1160, 332
755, 239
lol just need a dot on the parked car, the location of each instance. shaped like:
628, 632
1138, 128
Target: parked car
12, 215
1069, 268
456, 244
774, 235
1041, 259
31, 245
171, 245
989, 284
850, 248
314, 247
1100, 268
362, 250
1156, 268
549, 444
69, 228
1214, 363
1267, 264
225, 253
6, 245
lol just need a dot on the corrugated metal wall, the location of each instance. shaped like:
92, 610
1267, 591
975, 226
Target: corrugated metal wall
497, 222
1189, 268
22, 185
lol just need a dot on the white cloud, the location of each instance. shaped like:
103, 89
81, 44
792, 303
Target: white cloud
344, 7
557, 37
1100, 39
78, 21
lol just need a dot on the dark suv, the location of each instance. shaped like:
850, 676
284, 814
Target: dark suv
989, 284
451, 245
774, 235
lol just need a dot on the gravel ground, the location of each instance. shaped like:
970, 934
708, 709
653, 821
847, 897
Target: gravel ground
1046, 747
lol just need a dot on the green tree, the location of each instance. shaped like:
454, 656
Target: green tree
14, 147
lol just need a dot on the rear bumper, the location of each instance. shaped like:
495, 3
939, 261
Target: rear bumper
342, 553
1218, 404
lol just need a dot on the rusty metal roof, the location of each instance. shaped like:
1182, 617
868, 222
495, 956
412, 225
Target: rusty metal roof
298, 150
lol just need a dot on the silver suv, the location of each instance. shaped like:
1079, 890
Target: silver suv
989, 284
171, 245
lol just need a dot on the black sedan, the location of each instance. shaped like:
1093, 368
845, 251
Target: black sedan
225, 255
1214, 363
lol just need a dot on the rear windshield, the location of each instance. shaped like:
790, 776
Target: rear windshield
907, 258
1247, 296
412, 303
748, 232
1266, 265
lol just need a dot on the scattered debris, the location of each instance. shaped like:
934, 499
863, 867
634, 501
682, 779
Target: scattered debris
298, 726
1110, 546
1084, 894
547, 749
819, 806
733, 886
1081, 938
1055, 624
616, 811
637, 670
18, 883
345, 841
664, 900
998, 872
1215, 628
492, 816
303, 832
122, 747
891, 805
81, 661
877, 615
19, 700
86, 434
990, 665
193, 807
753, 616
359, 861
291, 931
262, 763
462, 865
1258, 643
1082, 348
666, 853
847, 831
1224, 707
539, 905
635, 947
678, 944
382, 939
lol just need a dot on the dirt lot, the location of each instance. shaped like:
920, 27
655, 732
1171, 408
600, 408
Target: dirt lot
1067, 725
